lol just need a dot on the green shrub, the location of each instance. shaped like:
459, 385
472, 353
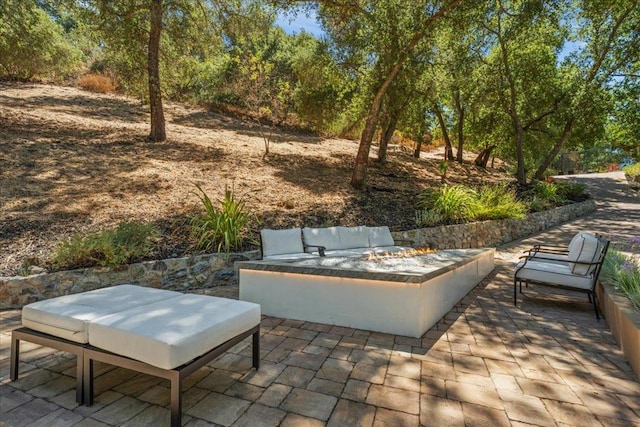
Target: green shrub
543, 195
222, 229
428, 218
632, 170
572, 191
454, 203
498, 202
459, 204
622, 272
32, 44
128, 242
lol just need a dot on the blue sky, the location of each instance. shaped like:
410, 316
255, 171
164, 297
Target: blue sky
295, 24
307, 21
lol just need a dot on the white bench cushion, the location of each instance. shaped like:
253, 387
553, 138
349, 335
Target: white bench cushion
278, 242
353, 237
553, 273
380, 236
362, 252
68, 316
327, 237
168, 334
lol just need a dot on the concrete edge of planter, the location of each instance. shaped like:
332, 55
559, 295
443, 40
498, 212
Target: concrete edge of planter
624, 322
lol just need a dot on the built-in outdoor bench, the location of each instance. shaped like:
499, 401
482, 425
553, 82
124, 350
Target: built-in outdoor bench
161, 333
296, 243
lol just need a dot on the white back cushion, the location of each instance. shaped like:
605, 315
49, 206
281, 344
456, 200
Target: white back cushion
380, 236
353, 237
327, 237
584, 248
278, 242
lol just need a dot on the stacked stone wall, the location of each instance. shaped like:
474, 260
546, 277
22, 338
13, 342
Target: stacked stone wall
206, 271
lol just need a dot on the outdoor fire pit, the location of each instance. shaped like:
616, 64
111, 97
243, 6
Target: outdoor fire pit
402, 295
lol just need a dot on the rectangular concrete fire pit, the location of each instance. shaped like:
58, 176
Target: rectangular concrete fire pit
402, 296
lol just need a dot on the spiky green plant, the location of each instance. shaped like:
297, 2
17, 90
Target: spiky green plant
498, 202
222, 228
454, 203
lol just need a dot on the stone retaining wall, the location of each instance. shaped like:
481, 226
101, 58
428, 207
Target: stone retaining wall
206, 271
496, 232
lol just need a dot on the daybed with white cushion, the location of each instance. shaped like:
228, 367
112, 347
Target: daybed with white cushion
577, 270
162, 333
296, 243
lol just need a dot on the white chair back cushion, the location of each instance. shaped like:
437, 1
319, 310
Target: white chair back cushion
327, 237
583, 248
380, 236
278, 242
353, 237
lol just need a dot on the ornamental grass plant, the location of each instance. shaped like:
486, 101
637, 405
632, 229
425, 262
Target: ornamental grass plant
621, 270
459, 204
221, 228
128, 242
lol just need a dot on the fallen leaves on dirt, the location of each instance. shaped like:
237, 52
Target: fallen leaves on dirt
74, 162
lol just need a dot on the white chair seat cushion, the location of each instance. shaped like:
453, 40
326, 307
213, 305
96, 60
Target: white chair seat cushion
553, 273
168, 334
278, 242
380, 236
327, 237
68, 316
353, 237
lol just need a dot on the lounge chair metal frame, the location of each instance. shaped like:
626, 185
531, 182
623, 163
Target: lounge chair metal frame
537, 254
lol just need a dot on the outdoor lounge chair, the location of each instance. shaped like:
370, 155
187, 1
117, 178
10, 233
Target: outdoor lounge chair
578, 269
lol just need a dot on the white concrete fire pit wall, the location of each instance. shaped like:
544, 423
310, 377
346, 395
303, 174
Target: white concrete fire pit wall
403, 303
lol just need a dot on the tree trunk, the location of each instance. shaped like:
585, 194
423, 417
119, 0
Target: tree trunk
359, 176
483, 157
460, 110
448, 150
157, 133
546, 162
386, 136
418, 149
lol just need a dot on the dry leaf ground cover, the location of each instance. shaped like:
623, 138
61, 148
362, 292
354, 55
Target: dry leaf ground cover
72, 161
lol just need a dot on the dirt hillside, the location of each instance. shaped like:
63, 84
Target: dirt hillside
72, 161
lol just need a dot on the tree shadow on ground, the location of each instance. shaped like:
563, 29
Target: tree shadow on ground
103, 108
212, 120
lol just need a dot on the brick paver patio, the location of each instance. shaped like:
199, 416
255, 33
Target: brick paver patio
546, 362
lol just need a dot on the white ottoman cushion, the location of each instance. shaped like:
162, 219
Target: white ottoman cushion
68, 316
168, 334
